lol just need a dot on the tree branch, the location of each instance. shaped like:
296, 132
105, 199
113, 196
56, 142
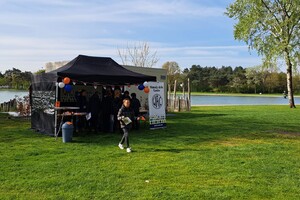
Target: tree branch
270, 11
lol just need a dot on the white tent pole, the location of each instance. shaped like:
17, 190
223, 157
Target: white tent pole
55, 111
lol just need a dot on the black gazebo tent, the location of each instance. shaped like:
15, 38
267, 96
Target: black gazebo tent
83, 69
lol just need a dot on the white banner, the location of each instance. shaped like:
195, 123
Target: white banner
157, 105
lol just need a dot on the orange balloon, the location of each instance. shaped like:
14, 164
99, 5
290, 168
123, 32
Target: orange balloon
66, 80
146, 90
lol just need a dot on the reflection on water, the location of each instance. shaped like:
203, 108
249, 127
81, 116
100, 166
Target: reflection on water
6, 95
239, 100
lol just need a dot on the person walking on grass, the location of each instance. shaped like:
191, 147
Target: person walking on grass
125, 116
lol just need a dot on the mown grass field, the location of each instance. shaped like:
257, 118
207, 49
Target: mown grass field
229, 152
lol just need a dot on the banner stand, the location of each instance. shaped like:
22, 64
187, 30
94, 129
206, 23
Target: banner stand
157, 105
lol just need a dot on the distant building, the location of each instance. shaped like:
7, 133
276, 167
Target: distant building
161, 76
50, 66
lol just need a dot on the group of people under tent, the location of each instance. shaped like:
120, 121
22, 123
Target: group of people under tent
104, 110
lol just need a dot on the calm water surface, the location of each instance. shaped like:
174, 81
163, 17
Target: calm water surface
6, 95
240, 100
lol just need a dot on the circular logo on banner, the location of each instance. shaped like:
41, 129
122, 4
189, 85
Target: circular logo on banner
157, 101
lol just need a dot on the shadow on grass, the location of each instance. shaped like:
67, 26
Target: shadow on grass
170, 150
200, 125
215, 124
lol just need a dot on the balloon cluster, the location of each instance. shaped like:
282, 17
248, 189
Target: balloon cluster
65, 84
144, 87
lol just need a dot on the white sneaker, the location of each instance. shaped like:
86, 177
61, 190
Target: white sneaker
121, 146
128, 150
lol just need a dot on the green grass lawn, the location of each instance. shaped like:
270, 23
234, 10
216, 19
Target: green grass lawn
229, 152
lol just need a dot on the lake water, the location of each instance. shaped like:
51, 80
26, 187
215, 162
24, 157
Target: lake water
240, 100
6, 95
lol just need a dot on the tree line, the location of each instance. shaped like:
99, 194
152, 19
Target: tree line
227, 79
236, 80
15, 79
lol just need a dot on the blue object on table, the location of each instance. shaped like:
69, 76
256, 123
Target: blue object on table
67, 132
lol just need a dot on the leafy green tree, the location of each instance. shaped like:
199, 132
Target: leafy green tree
10, 76
17, 79
253, 75
272, 27
194, 77
238, 82
199, 78
221, 78
281, 87
41, 71
173, 71
2, 81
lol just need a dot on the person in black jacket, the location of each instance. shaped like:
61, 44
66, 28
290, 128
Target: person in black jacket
126, 95
125, 115
82, 101
135, 104
82, 104
107, 110
117, 103
94, 108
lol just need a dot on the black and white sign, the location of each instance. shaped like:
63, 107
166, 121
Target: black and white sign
157, 112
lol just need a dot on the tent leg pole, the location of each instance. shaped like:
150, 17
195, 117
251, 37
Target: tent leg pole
55, 112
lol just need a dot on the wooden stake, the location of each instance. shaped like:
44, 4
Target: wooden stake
183, 90
174, 104
189, 95
169, 90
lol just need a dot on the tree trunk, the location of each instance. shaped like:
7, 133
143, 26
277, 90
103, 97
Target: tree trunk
289, 78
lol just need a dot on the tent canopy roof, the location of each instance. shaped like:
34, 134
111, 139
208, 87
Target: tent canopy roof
101, 70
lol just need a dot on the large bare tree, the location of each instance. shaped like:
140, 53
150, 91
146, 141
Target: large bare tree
272, 27
139, 55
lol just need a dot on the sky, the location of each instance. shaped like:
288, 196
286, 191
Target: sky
189, 32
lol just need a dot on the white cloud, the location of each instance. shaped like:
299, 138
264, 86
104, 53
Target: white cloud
33, 32
101, 11
209, 56
27, 51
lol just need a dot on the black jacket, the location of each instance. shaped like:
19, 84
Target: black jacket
94, 104
107, 105
82, 103
135, 104
125, 112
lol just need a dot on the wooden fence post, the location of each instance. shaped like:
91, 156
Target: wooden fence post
169, 90
189, 95
174, 99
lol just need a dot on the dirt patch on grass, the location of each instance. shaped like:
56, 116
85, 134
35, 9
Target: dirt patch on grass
234, 142
284, 133
294, 134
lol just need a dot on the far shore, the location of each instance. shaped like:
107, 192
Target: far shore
12, 89
233, 94
198, 93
